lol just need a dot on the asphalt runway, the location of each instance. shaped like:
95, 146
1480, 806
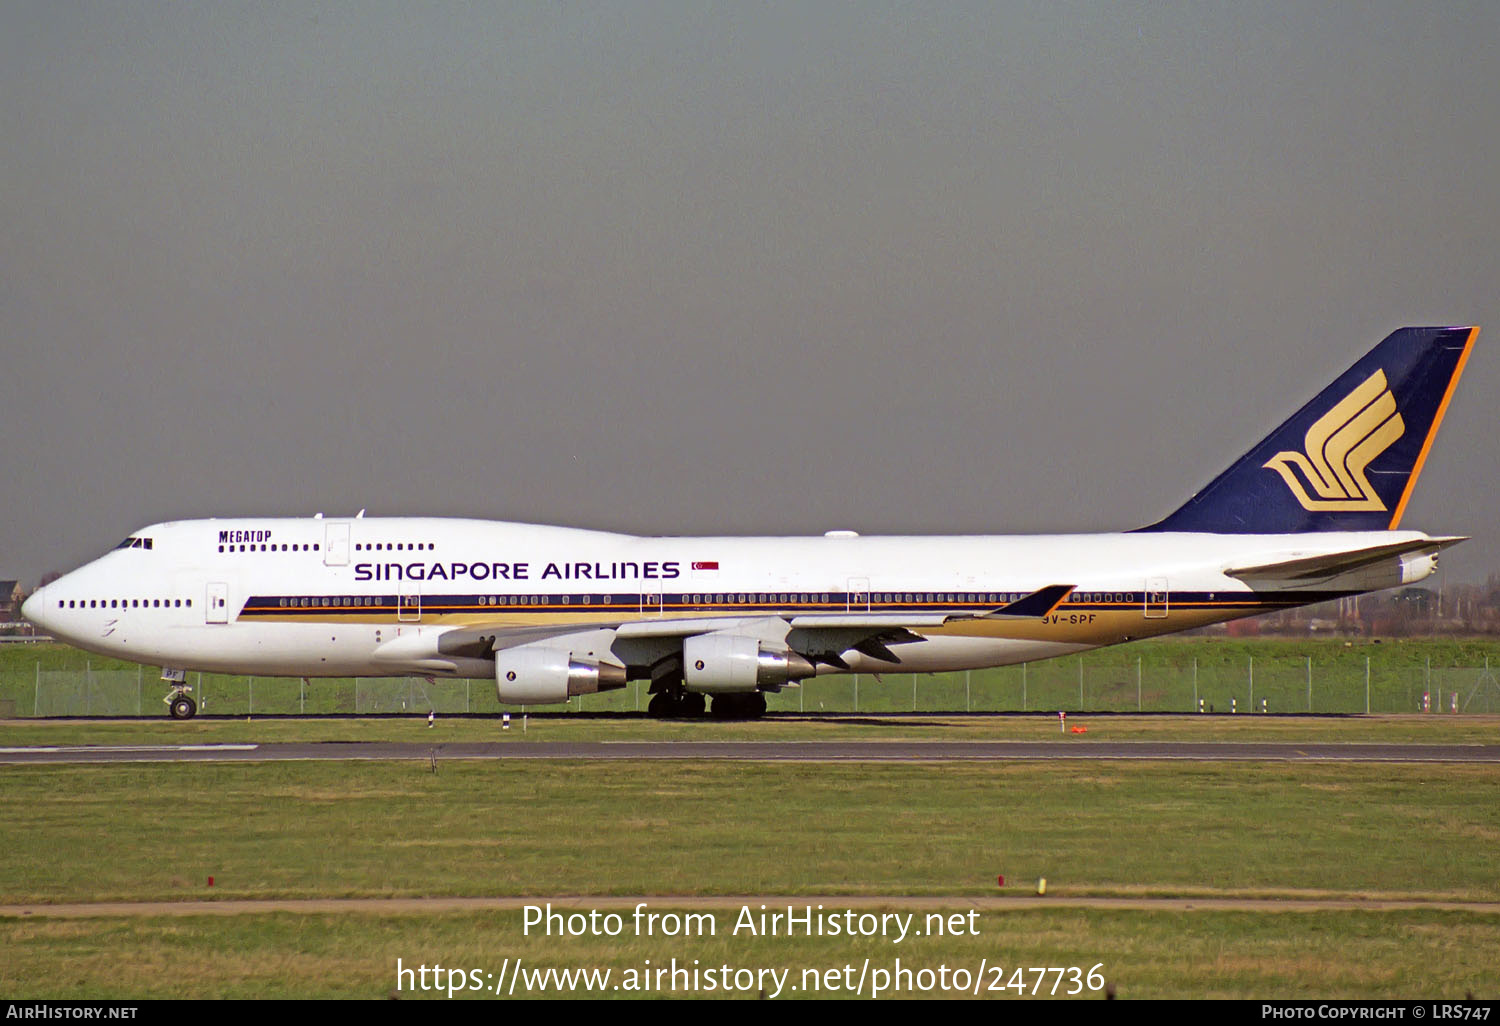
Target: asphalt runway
759, 751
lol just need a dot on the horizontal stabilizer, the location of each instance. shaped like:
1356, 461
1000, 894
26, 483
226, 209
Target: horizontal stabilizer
1332, 564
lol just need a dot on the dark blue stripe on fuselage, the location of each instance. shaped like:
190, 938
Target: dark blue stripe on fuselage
759, 603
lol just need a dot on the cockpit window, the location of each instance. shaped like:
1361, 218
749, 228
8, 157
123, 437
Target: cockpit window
134, 543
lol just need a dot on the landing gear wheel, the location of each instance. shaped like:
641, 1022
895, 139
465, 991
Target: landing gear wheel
675, 705
182, 708
740, 707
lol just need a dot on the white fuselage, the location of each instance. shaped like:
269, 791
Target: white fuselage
367, 596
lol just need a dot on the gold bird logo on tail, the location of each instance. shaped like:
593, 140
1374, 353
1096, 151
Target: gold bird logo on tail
1340, 445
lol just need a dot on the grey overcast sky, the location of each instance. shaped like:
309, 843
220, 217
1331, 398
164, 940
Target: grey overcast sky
707, 267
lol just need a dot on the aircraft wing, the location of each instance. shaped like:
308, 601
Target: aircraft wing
818, 636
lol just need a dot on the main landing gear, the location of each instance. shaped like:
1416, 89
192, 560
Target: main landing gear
676, 704
180, 704
750, 706
680, 704
671, 701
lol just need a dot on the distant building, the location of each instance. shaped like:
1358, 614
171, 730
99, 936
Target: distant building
10, 601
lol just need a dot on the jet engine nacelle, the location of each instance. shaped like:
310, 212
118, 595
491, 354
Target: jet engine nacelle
542, 675
718, 664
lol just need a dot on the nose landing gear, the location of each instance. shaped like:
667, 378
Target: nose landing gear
180, 704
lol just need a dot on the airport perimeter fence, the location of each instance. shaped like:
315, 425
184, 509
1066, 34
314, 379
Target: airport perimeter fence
1074, 685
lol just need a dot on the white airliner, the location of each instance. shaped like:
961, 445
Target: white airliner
1309, 514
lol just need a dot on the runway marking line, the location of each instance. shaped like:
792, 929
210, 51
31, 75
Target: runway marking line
87, 749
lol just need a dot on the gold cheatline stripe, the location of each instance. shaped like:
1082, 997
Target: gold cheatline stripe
1432, 432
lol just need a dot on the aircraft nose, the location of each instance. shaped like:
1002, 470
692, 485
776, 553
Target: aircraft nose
32, 608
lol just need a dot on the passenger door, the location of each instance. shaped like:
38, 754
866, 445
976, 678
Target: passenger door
1156, 598
216, 604
336, 545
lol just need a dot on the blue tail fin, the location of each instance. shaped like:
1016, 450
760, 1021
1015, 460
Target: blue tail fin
1347, 461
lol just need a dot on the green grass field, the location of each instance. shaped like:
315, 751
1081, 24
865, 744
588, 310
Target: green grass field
943, 831
155, 831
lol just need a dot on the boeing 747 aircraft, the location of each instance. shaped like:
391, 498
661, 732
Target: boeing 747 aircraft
1310, 513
